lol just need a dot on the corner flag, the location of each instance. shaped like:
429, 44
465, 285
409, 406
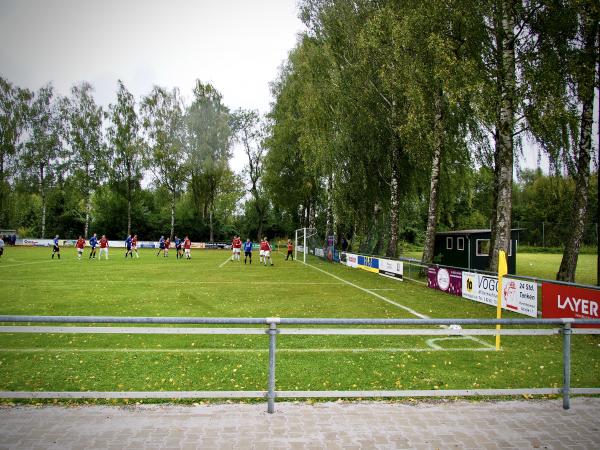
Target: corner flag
502, 270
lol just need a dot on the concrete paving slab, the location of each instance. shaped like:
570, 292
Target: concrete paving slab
531, 424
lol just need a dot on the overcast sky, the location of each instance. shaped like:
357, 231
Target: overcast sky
236, 45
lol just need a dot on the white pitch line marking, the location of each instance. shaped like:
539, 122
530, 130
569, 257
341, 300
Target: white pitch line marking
385, 299
437, 348
225, 262
24, 264
369, 291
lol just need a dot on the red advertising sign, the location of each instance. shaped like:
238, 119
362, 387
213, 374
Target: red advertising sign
560, 301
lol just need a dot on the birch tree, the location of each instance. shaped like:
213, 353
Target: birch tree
164, 126
43, 146
125, 141
208, 147
88, 158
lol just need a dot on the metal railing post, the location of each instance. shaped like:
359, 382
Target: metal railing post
567, 331
272, 331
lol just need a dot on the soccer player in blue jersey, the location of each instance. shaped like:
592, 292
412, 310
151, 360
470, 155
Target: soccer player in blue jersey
248, 250
161, 245
128, 246
178, 250
93, 244
56, 248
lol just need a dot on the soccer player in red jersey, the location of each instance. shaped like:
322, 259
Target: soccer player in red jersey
103, 247
187, 245
80, 244
236, 246
290, 248
134, 240
167, 245
268, 252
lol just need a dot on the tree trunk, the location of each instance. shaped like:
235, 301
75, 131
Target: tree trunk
88, 210
432, 212
568, 265
507, 86
210, 222
330, 229
129, 195
43, 196
598, 177
172, 216
392, 249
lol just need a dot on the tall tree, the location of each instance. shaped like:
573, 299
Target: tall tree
584, 78
250, 131
88, 159
208, 146
164, 125
14, 103
43, 147
125, 140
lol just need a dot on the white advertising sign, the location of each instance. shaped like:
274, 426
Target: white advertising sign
390, 268
351, 260
319, 252
519, 296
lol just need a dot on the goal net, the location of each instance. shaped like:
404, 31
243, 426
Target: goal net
308, 241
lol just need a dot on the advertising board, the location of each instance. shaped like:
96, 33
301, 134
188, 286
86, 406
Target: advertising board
368, 263
446, 280
561, 301
349, 259
480, 288
517, 295
390, 268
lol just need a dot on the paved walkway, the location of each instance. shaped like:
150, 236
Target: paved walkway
517, 424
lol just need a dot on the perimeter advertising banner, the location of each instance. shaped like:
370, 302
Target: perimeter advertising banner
517, 295
390, 268
445, 280
349, 259
560, 301
368, 263
480, 288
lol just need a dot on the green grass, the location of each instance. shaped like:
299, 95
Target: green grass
207, 285
545, 265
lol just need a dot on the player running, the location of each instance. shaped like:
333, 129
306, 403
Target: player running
167, 245
248, 251
134, 245
290, 252
236, 247
103, 247
128, 242
93, 244
187, 245
56, 248
80, 244
161, 245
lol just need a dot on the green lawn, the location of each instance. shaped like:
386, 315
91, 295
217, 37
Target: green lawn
545, 265
209, 285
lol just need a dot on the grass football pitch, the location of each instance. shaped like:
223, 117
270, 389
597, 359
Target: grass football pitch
209, 285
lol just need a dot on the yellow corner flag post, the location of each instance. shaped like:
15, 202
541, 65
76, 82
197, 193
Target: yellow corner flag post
502, 270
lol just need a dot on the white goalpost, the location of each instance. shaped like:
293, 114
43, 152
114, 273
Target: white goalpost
301, 241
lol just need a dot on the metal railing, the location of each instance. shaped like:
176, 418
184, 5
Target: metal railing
275, 326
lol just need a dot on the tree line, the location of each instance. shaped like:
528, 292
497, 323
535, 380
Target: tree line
150, 166
385, 106
391, 119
